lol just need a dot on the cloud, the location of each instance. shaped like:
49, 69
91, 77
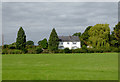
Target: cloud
0, 23
60, 0
38, 18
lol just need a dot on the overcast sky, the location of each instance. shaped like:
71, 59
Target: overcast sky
38, 18
0, 23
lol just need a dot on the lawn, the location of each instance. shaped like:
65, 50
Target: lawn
0, 67
94, 66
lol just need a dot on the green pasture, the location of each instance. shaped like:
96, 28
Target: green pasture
79, 66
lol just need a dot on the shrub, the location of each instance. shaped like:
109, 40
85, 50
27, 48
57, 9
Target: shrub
24, 50
107, 50
39, 50
15, 51
56, 51
18, 52
45, 51
67, 50
84, 47
75, 50
5, 46
83, 50
90, 50
29, 46
119, 49
31, 51
98, 50
114, 49
61, 51
4, 51
11, 46
11, 51
29, 42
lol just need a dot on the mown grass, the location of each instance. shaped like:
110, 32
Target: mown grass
94, 66
0, 67
0, 64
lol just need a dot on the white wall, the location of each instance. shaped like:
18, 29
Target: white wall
70, 45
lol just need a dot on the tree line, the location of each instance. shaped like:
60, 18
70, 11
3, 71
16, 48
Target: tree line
98, 37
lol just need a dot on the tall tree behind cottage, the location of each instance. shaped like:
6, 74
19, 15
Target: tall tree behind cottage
53, 41
99, 35
84, 37
43, 43
21, 39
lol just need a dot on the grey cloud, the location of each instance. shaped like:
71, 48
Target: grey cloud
0, 23
38, 19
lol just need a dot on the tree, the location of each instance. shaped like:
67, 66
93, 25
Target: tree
117, 32
43, 43
38, 50
30, 43
21, 39
53, 41
84, 37
113, 40
77, 34
5, 46
67, 50
99, 36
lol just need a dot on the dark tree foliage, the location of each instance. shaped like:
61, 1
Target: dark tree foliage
11, 46
39, 50
29, 42
84, 37
43, 43
113, 40
21, 39
77, 34
5, 46
67, 50
53, 41
117, 32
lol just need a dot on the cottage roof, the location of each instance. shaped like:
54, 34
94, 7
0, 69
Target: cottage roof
69, 38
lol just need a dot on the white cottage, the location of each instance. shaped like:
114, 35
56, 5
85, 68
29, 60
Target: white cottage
71, 42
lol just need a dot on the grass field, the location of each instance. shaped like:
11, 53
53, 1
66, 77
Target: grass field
95, 66
0, 67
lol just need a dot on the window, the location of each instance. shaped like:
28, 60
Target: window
74, 42
67, 42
